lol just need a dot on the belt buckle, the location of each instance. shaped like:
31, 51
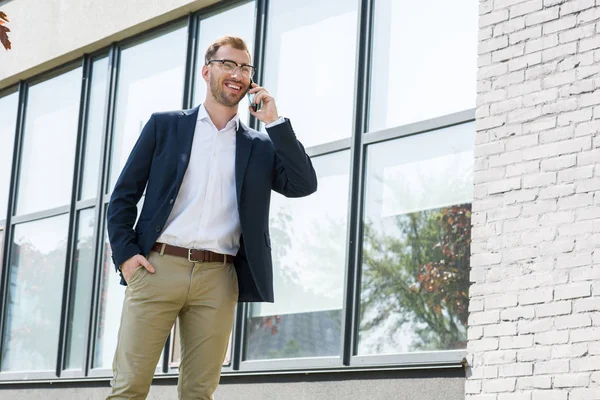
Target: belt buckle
190, 256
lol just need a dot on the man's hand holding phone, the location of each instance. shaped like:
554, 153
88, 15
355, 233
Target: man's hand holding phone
267, 111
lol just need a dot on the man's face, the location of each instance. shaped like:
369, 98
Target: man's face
227, 88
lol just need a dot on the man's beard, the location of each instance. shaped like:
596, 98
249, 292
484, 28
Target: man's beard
221, 96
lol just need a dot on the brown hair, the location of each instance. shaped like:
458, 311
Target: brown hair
233, 41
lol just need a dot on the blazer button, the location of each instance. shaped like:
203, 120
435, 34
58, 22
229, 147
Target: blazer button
171, 201
158, 228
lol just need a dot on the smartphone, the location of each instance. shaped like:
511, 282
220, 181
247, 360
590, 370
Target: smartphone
254, 106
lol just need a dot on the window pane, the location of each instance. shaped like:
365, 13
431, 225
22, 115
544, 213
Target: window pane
37, 265
109, 308
150, 79
424, 63
8, 116
49, 143
238, 21
83, 271
308, 236
1, 246
94, 129
416, 245
310, 66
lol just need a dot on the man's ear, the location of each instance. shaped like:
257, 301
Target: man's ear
205, 72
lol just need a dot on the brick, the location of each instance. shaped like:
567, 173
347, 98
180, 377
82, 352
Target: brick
524, 114
525, 8
538, 125
501, 329
588, 16
572, 291
485, 344
492, 44
490, 122
474, 332
569, 350
575, 174
508, 53
589, 44
587, 128
516, 369
588, 304
534, 382
576, 229
499, 385
484, 372
503, 300
559, 217
556, 191
553, 309
516, 342
585, 335
558, 148
534, 326
572, 321
560, 24
484, 318
557, 134
588, 185
514, 396
574, 6
571, 380
521, 196
539, 180
499, 357
490, 71
575, 116
549, 395
587, 158
520, 253
557, 246
523, 141
493, 18
539, 17
551, 367
542, 43
584, 394
559, 163
484, 259
472, 387
517, 313
539, 208
573, 260
589, 363
551, 337
525, 35
534, 354
524, 88
562, 105
534, 296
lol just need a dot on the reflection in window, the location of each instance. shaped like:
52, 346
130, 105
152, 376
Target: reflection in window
8, 116
310, 66
408, 81
238, 21
308, 236
36, 275
94, 129
109, 311
49, 143
110, 305
150, 79
83, 273
416, 244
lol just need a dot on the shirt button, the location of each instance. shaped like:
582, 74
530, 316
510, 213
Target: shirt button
158, 228
171, 201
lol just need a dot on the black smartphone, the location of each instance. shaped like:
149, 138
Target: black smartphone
254, 106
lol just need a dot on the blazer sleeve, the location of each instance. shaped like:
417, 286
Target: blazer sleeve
122, 209
294, 175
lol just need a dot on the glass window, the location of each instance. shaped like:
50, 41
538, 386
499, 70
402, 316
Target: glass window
1, 245
310, 66
83, 271
8, 116
35, 292
238, 21
409, 82
109, 311
94, 129
416, 244
110, 306
308, 236
48, 153
150, 79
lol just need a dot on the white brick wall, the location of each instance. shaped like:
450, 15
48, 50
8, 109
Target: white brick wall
534, 327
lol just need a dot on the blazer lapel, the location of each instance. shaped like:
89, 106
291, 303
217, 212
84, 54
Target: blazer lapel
186, 127
243, 147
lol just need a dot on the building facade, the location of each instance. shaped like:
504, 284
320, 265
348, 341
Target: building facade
449, 252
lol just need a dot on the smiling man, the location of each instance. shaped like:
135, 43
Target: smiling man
202, 242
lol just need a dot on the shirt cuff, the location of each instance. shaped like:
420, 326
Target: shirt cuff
281, 120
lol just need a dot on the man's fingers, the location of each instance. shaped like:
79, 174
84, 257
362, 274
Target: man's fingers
146, 264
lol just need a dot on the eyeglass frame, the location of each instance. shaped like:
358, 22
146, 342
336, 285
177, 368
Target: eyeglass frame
237, 66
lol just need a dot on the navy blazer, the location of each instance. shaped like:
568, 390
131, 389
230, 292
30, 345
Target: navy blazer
159, 160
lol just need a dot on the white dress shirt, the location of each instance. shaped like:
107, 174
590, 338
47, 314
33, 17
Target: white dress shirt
205, 214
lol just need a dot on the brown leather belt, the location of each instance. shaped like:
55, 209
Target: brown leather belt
193, 255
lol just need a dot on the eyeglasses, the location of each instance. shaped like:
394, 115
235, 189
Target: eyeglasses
231, 66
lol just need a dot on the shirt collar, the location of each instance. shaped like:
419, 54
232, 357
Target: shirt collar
203, 115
